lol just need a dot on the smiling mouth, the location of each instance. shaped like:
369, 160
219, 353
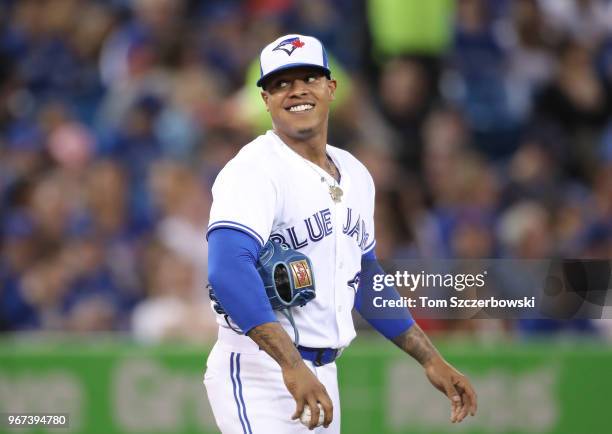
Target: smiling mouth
301, 108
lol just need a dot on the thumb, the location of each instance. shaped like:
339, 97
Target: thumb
299, 409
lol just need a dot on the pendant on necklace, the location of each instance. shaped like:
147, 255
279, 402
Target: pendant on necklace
336, 193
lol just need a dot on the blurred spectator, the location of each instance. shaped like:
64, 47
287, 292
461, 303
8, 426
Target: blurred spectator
177, 306
52, 206
71, 145
531, 61
184, 206
18, 255
533, 173
480, 78
405, 93
21, 159
42, 288
525, 231
584, 20
578, 102
486, 126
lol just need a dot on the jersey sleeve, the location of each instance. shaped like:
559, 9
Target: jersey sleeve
245, 199
369, 220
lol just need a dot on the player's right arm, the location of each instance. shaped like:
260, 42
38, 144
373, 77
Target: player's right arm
242, 213
232, 257
299, 380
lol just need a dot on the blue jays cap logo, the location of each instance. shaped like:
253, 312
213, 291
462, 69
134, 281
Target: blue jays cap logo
289, 45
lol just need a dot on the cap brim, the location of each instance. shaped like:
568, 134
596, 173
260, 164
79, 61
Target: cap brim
292, 66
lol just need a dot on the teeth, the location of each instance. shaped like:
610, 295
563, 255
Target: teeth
301, 108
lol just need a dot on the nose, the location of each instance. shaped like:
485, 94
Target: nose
298, 87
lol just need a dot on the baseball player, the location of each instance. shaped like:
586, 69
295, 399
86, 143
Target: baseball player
290, 187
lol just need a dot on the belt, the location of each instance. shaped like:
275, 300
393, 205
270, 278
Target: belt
319, 356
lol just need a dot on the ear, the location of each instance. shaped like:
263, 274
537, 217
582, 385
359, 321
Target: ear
265, 95
332, 85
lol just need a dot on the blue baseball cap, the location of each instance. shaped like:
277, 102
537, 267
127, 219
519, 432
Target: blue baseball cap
292, 51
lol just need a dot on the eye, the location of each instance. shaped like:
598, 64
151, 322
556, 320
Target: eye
282, 84
311, 79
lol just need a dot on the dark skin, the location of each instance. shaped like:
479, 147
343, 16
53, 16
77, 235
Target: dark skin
298, 101
303, 131
299, 379
440, 373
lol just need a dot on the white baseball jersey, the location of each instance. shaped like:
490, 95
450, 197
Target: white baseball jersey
269, 191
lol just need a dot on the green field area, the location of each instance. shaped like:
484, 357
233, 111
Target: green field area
110, 386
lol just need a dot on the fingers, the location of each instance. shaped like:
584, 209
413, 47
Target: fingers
299, 408
468, 395
456, 387
328, 409
455, 398
315, 410
468, 400
309, 395
471, 393
457, 409
463, 410
325, 405
316, 406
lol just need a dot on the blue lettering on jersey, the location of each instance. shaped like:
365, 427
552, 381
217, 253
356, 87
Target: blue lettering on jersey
356, 229
295, 244
326, 215
320, 233
349, 213
318, 226
279, 238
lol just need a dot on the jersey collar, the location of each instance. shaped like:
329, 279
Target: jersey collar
330, 150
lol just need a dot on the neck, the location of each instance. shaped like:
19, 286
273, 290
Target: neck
312, 148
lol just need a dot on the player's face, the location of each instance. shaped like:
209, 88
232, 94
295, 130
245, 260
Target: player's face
298, 101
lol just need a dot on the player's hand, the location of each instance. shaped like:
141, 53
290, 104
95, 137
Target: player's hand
454, 385
307, 389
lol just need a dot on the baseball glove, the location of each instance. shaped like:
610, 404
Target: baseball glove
287, 277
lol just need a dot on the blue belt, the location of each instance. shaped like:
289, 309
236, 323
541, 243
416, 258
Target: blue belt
319, 356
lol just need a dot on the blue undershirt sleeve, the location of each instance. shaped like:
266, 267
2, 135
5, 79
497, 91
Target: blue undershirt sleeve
232, 256
389, 322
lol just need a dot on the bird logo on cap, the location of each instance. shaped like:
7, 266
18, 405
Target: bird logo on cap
289, 45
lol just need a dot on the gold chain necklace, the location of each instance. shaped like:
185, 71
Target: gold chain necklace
335, 192
334, 189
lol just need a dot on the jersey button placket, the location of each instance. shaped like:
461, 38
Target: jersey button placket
340, 215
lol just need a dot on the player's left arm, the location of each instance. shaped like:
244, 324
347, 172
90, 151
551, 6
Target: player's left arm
399, 327
441, 374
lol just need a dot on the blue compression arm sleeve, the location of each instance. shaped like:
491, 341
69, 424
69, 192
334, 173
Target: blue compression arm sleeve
232, 256
389, 322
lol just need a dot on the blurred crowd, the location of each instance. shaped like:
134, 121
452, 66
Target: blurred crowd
486, 124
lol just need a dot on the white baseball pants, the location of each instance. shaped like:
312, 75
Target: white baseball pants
247, 394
